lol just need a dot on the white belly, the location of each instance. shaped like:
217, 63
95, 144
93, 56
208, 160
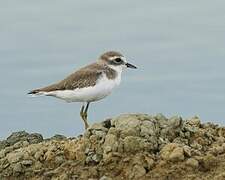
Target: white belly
103, 88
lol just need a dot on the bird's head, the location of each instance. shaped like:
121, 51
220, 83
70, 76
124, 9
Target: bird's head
115, 60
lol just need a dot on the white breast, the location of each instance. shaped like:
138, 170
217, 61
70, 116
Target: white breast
103, 88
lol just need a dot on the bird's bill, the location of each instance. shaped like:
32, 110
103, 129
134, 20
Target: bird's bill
131, 66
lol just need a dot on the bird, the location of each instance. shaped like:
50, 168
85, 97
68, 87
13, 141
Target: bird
90, 83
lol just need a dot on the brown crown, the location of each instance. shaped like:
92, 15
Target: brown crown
106, 56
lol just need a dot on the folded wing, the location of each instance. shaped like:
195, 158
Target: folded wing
82, 78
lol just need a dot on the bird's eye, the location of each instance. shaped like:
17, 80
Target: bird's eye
118, 60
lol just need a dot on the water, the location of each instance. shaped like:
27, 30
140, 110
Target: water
177, 45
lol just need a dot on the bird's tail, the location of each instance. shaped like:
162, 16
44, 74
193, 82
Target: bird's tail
44, 91
32, 92
36, 92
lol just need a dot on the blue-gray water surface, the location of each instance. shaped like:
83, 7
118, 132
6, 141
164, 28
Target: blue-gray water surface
178, 46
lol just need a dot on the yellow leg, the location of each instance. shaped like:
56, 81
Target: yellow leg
83, 114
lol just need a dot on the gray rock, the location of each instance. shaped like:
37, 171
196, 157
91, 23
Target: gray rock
58, 137
20, 139
34, 138
17, 136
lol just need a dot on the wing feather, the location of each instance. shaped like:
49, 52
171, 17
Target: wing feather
82, 78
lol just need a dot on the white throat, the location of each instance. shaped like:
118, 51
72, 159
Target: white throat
118, 69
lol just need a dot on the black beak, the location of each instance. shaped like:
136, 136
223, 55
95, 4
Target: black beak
131, 66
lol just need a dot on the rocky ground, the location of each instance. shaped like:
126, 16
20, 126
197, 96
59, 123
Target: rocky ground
134, 146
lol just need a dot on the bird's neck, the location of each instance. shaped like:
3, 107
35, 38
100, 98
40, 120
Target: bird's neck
112, 72
117, 74
117, 69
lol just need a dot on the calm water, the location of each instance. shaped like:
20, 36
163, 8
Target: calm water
179, 47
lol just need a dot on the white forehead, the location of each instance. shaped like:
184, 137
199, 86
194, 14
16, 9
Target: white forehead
121, 57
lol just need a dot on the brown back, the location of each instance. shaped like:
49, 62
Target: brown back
84, 77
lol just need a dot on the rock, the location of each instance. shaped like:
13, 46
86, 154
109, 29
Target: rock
149, 163
3, 144
8, 149
93, 158
195, 121
192, 163
107, 123
160, 117
50, 155
127, 125
16, 137
220, 176
20, 139
64, 176
20, 144
131, 146
2, 154
49, 174
172, 152
15, 157
58, 137
110, 144
216, 150
138, 172
175, 122
27, 162
17, 168
148, 129
187, 151
134, 144
39, 155
208, 162
177, 154
105, 178
34, 138
4, 164
37, 167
